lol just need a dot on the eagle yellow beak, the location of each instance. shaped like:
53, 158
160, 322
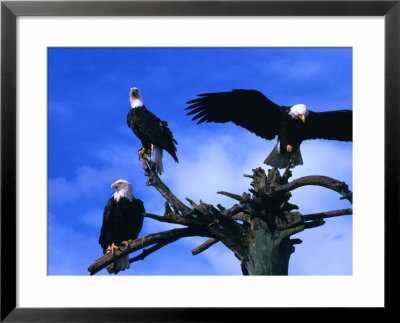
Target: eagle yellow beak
114, 185
303, 118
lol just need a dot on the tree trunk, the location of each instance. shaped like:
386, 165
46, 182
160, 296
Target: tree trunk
268, 253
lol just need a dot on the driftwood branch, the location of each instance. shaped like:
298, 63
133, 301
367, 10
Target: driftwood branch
149, 251
174, 219
323, 181
241, 198
154, 180
204, 246
289, 232
329, 214
162, 238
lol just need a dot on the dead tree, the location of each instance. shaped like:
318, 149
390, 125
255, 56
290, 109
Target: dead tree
258, 228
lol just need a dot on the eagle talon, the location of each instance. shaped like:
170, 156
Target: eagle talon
112, 248
141, 151
144, 153
292, 160
125, 243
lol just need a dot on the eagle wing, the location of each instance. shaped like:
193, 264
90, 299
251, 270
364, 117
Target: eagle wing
106, 235
129, 219
333, 125
249, 109
149, 128
137, 221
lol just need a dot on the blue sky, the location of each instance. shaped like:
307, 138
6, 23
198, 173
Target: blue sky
90, 146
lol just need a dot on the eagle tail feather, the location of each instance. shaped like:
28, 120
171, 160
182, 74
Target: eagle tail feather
118, 265
158, 155
278, 160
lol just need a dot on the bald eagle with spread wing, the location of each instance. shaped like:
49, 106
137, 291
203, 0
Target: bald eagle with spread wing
251, 110
122, 221
152, 132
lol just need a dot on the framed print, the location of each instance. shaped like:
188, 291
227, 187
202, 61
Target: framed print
66, 68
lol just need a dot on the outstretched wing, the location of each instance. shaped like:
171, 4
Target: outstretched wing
334, 125
249, 109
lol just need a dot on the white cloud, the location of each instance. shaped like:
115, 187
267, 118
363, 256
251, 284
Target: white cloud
327, 159
70, 251
299, 70
93, 218
221, 259
326, 249
208, 165
87, 181
218, 163
118, 161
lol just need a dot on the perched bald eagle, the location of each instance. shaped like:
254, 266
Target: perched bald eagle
152, 132
122, 221
251, 110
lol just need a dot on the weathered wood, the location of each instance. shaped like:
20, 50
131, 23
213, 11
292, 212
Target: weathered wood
241, 198
323, 181
161, 237
268, 253
329, 214
262, 241
204, 246
154, 180
146, 252
175, 218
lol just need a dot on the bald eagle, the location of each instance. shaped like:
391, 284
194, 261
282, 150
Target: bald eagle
152, 132
122, 221
251, 110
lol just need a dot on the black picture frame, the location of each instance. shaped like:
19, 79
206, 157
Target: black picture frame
10, 10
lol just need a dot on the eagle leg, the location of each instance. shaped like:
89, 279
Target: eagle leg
141, 152
289, 148
144, 153
292, 160
288, 167
112, 248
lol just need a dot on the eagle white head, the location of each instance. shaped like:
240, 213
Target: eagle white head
135, 97
299, 111
124, 189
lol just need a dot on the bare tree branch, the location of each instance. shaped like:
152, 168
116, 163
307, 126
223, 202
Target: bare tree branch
174, 218
155, 181
328, 214
323, 181
289, 232
149, 251
231, 195
242, 216
204, 246
314, 224
245, 197
164, 238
